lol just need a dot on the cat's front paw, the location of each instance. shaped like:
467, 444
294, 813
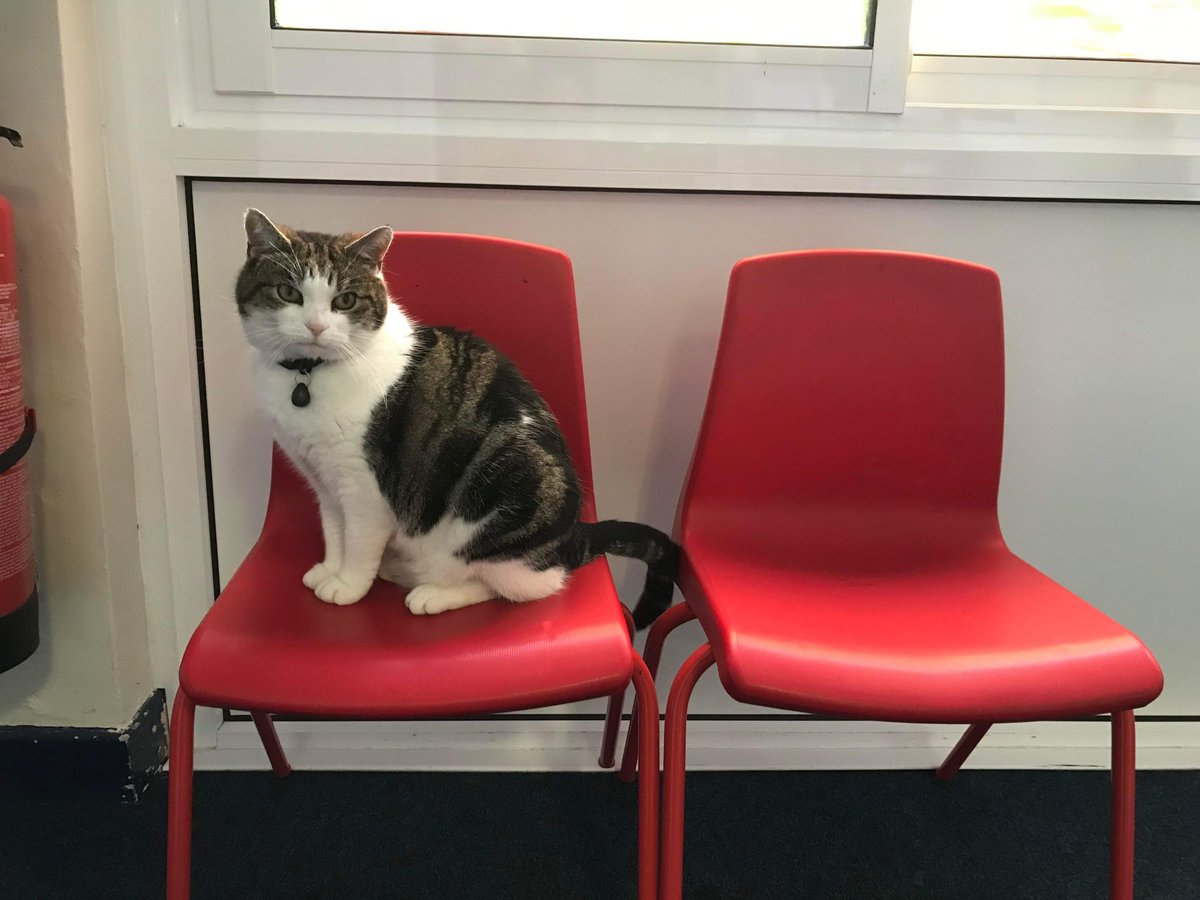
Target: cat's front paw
316, 575
342, 591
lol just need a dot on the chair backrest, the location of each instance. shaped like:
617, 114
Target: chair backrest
520, 297
857, 399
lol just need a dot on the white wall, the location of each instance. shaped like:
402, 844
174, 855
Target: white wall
1111, 517
1101, 478
93, 665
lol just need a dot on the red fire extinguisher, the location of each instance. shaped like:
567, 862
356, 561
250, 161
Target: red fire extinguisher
18, 587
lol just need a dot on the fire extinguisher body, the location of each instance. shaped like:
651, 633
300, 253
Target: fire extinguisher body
18, 587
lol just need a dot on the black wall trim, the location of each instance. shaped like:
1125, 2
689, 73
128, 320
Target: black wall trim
198, 327
107, 763
190, 180
231, 716
19, 633
597, 189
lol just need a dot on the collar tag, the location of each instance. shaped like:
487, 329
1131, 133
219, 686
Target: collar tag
301, 396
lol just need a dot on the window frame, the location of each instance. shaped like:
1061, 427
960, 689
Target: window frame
250, 56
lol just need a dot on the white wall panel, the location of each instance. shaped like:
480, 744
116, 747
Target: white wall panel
1101, 481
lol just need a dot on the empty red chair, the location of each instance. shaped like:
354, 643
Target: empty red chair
840, 541
269, 646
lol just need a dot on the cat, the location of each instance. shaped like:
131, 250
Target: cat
436, 464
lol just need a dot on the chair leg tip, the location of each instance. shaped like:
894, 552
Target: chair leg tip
945, 775
607, 762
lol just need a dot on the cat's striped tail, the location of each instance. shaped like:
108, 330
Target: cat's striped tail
636, 541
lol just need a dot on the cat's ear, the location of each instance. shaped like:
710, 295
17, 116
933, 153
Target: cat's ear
262, 235
372, 245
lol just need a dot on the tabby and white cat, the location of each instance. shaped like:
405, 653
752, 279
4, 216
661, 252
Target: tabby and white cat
436, 464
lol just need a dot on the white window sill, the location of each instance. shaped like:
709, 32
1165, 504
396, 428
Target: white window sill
932, 149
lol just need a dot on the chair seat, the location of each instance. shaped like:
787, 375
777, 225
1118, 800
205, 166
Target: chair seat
269, 644
980, 638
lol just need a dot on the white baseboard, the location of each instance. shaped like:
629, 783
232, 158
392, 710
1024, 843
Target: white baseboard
748, 745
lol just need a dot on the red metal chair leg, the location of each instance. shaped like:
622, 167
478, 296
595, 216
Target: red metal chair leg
666, 623
1124, 773
612, 724
179, 799
968, 742
647, 706
270, 739
612, 718
674, 765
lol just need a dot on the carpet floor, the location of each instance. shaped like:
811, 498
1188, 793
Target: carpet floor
513, 835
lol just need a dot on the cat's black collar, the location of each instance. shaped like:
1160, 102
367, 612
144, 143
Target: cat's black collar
301, 396
303, 365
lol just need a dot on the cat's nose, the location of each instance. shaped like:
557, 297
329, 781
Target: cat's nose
317, 328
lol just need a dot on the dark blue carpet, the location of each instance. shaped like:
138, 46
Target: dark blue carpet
1000, 835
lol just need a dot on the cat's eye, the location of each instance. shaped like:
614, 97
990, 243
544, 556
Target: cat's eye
288, 293
343, 302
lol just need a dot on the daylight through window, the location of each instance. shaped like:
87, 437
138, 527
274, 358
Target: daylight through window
1166, 30
831, 23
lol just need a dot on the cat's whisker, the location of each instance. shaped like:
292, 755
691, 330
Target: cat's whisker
342, 271
291, 268
292, 251
218, 329
365, 370
292, 261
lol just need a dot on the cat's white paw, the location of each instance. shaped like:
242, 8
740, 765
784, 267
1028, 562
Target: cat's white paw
316, 575
341, 591
431, 599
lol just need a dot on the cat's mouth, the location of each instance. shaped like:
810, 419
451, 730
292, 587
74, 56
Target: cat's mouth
312, 350
319, 347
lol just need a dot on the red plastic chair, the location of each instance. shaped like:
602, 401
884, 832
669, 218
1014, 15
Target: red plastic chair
269, 646
841, 545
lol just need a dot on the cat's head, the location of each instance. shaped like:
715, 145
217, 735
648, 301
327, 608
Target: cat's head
303, 294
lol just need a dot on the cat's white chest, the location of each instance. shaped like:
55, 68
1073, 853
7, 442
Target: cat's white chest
325, 437
328, 432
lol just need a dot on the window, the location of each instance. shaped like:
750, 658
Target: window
833, 23
818, 55
1166, 30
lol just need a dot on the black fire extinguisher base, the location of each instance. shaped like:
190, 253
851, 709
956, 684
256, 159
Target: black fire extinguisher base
19, 633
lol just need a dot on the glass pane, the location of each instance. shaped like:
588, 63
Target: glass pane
809, 23
1102, 29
